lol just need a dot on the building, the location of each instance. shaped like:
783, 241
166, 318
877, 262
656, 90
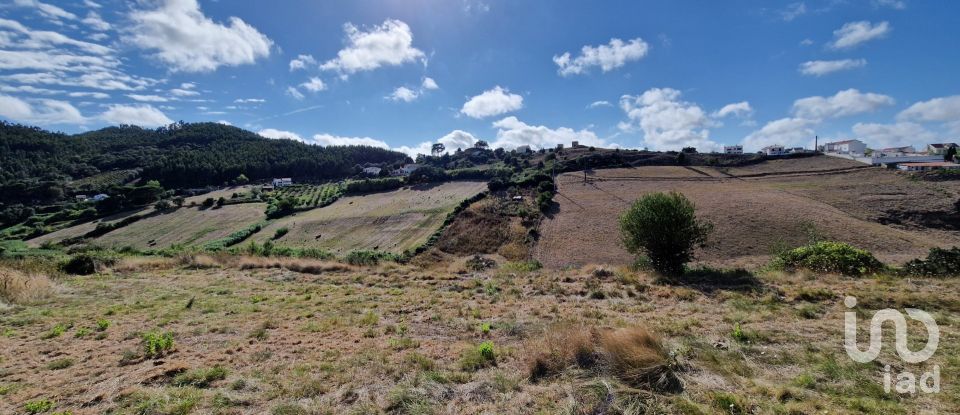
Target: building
896, 151
283, 182
845, 147
100, 197
575, 144
80, 198
372, 171
795, 150
737, 149
406, 170
940, 148
774, 150
524, 149
934, 165
559, 146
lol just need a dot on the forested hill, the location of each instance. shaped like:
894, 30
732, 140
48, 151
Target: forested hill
37, 165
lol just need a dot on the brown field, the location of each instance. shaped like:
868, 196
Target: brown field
389, 221
186, 226
402, 339
755, 216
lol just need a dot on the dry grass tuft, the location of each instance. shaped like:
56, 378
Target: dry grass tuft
18, 287
632, 354
306, 266
139, 264
198, 261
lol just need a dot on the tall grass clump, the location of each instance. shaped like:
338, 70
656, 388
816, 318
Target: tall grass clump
829, 257
18, 287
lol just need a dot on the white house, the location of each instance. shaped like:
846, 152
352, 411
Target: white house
936, 165
372, 171
940, 148
283, 182
406, 170
737, 149
524, 149
845, 147
774, 150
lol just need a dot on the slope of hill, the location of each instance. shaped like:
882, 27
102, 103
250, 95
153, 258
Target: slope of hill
754, 216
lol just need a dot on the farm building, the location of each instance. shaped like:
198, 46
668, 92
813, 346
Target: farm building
774, 150
286, 181
845, 147
372, 171
737, 149
935, 165
940, 148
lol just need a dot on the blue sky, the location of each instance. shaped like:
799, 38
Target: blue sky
405, 73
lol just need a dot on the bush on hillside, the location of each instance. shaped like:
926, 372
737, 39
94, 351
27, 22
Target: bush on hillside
829, 257
939, 263
368, 257
87, 263
664, 228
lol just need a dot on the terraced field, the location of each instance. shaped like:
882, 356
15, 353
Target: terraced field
390, 221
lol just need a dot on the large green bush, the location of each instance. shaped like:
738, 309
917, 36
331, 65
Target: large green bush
939, 263
87, 263
664, 227
829, 257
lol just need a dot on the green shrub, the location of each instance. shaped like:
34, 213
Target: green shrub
38, 406
664, 228
366, 257
60, 364
829, 257
479, 357
103, 324
939, 263
280, 232
156, 344
200, 378
87, 263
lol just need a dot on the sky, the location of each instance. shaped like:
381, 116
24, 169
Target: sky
404, 74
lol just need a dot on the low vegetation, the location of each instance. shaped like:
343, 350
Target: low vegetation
664, 228
829, 257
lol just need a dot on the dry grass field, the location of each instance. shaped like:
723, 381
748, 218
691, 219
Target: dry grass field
256, 335
896, 218
185, 226
389, 221
83, 228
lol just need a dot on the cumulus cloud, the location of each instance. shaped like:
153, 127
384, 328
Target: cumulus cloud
429, 84
791, 132
608, 57
844, 103
893, 135
314, 85
403, 94
451, 142
301, 62
854, 34
937, 109
39, 111
667, 122
512, 133
278, 134
186, 40
820, 68
143, 115
492, 102
737, 109
388, 44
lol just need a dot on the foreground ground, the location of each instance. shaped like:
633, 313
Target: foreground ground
256, 335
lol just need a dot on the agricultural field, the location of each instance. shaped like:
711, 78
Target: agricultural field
289, 336
308, 196
104, 180
389, 221
185, 226
81, 229
774, 205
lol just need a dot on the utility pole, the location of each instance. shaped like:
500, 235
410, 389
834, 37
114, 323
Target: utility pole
816, 144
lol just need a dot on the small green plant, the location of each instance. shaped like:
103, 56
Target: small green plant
82, 332
60, 364
479, 357
738, 334
279, 233
369, 318
56, 331
200, 378
38, 406
485, 328
156, 344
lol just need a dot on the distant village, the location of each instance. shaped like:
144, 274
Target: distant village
936, 156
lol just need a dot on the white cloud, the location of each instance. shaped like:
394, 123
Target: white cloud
738, 109
793, 11
607, 57
48, 10
314, 85
893, 135
224, 122
293, 92
180, 92
597, 104
333, 140
946, 109
893, 4
451, 142
820, 68
277, 134
147, 98
95, 22
92, 4
249, 101
40, 111
186, 40
785, 131
856, 33
429, 84
492, 102
98, 95
301, 62
667, 122
843, 103
389, 44
512, 133
143, 115
806, 42
403, 94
